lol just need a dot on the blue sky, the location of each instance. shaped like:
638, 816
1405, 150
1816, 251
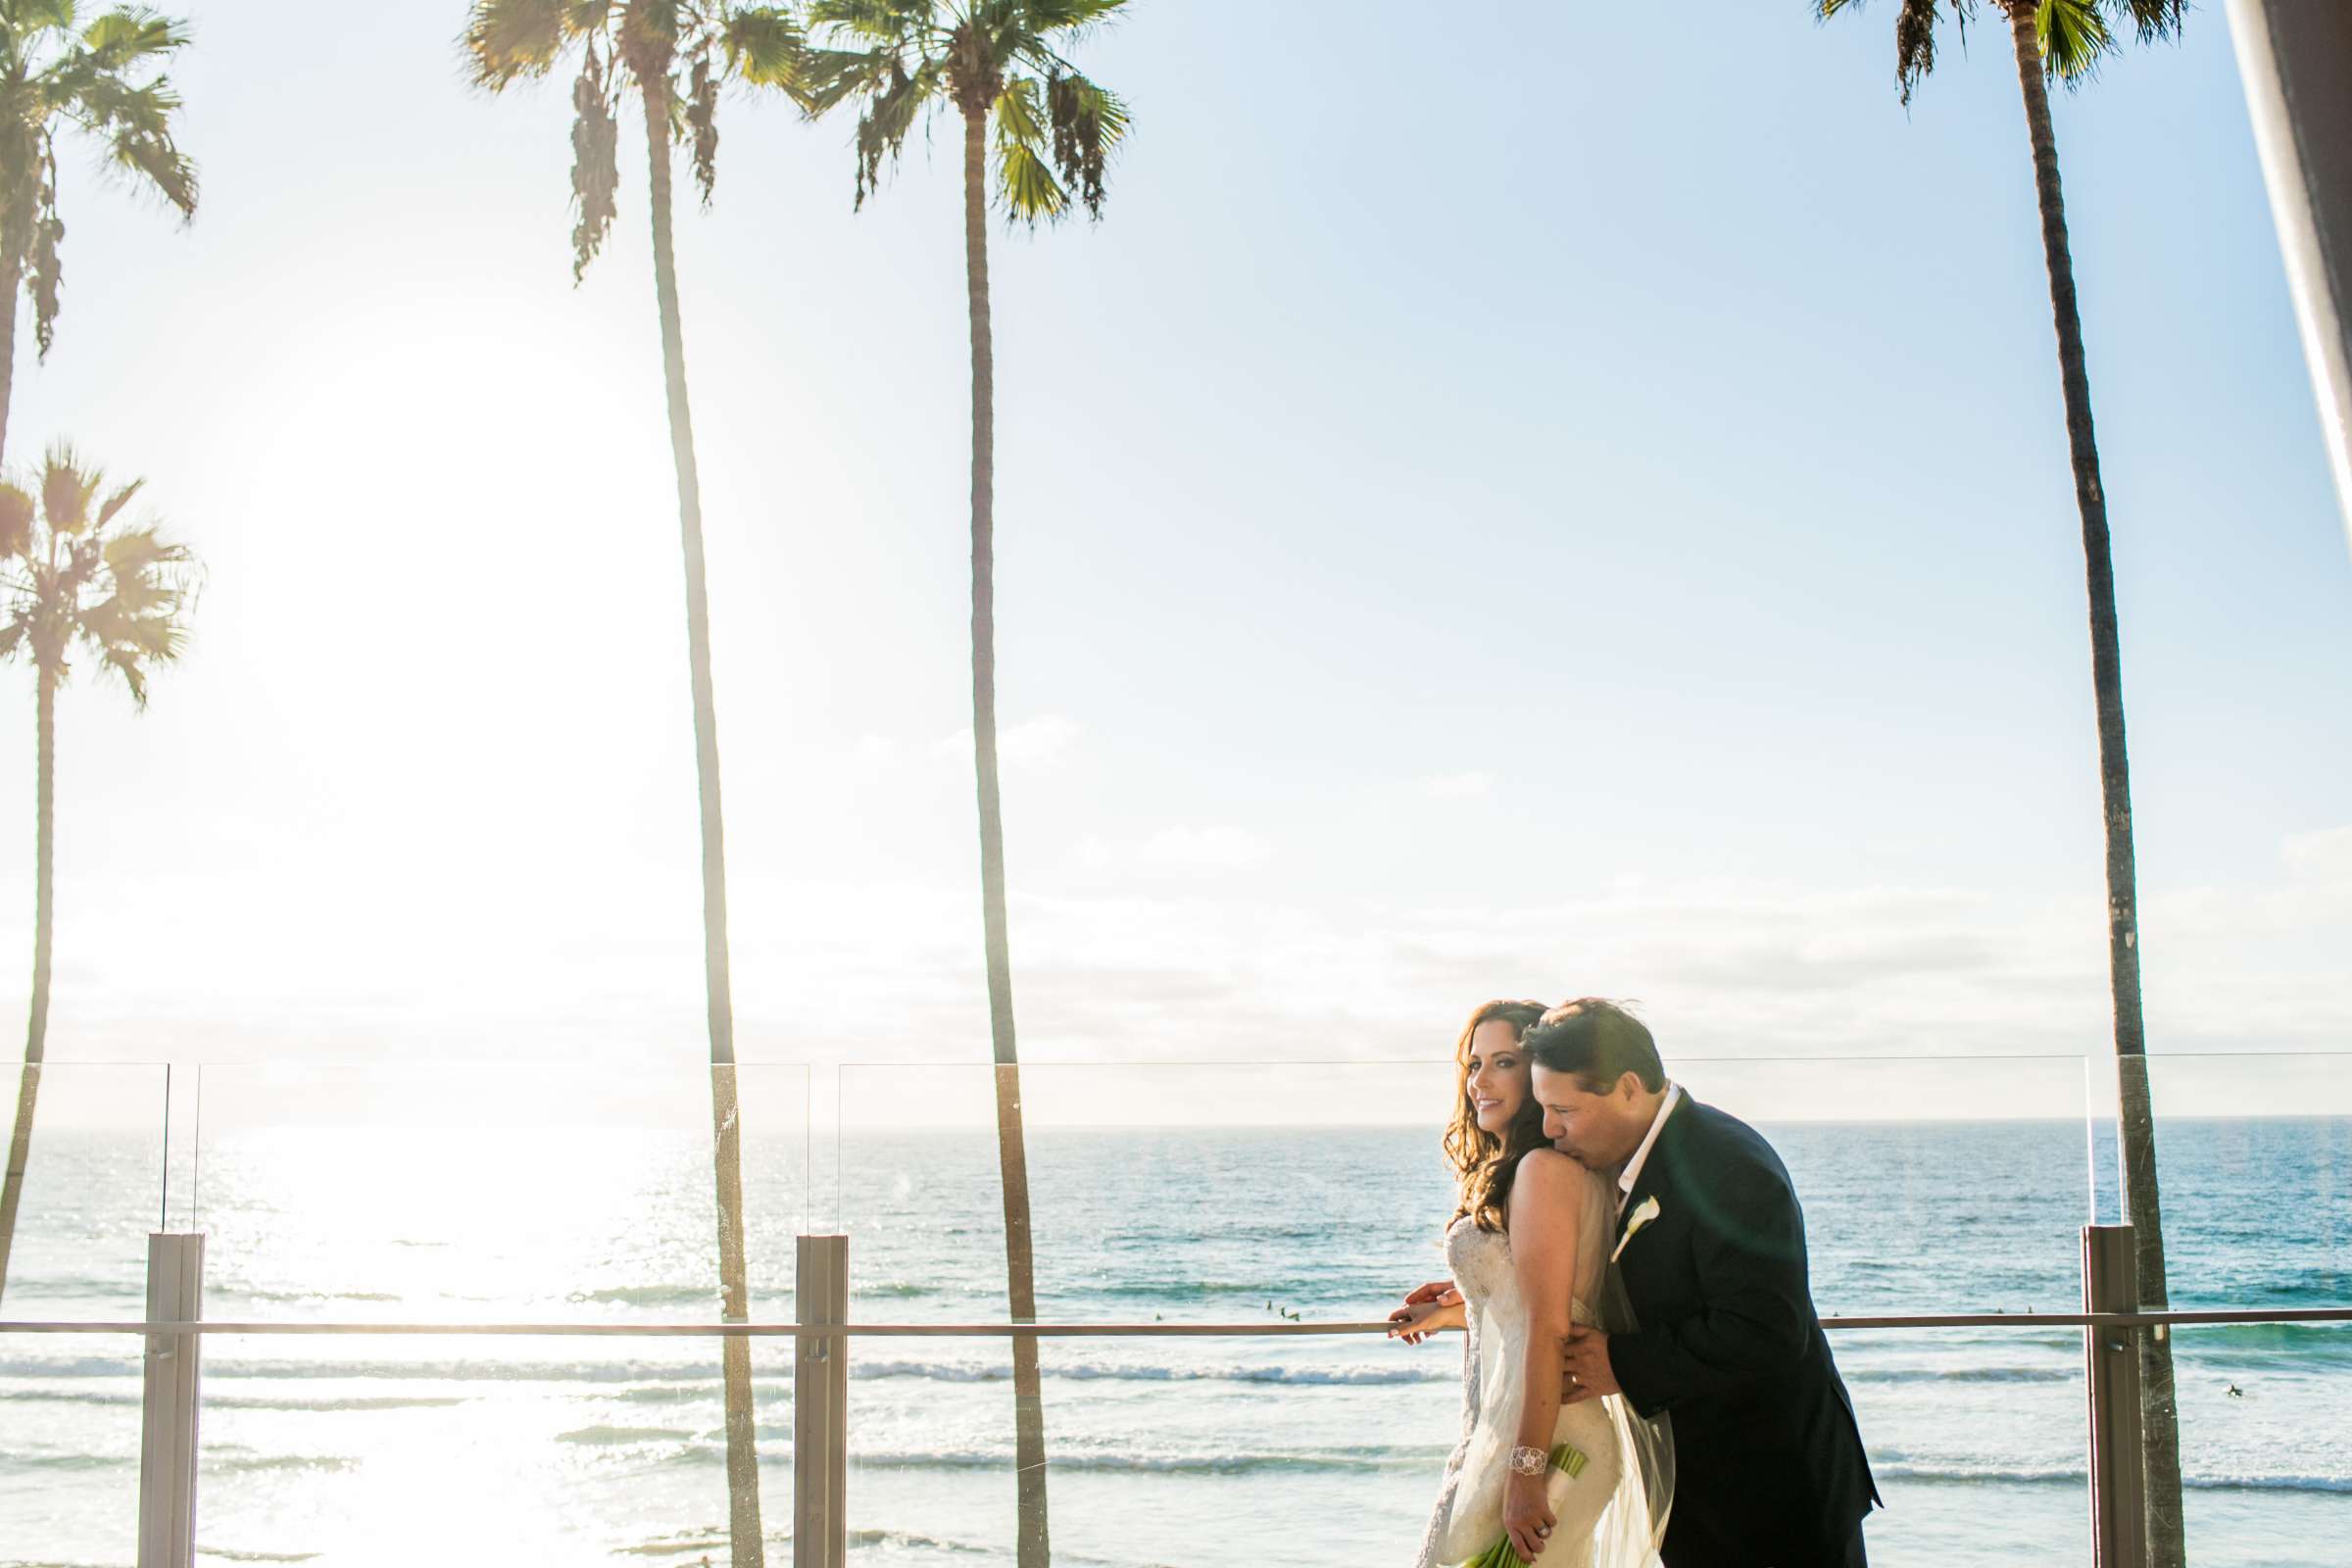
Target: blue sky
1555, 503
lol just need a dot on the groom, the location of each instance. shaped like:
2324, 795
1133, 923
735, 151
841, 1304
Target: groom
1769, 1469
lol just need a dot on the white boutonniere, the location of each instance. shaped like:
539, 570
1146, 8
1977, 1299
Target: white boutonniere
1641, 1216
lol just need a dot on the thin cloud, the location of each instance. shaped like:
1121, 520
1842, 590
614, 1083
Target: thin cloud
1209, 847
1030, 745
2325, 856
1458, 786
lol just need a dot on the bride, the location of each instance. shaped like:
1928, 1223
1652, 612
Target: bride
1529, 1246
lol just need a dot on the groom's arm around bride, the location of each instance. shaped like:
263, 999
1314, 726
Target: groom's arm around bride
1769, 1466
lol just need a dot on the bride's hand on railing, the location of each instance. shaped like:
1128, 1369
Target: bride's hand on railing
1434, 1307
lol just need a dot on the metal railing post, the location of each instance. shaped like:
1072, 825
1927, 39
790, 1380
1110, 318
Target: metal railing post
820, 1405
2118, 1486
168, 1435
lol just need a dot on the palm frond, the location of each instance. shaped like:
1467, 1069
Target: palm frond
1088, 124
1069, 15
876, 21
1020, 113
117, 500
138, 553
172, 174
1914, 44
163, 638
128, 34
830, 77
44, 15
1030, 190
2074, 36
1025, 180
889, 116
507, 40
66, 490
595, 163
17, 512
12, 636
133, 117
1915, 24
765, 46
701, 106
45, 268
115, 621
126, 665
2153, 19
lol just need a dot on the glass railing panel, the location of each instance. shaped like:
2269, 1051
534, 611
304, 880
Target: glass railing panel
1256, 1193
536, 1452
94, 1188
1272, 1193
1930, 1184
2254, 1165
1227, 1193
506, 1193
2254, 1174
69, 1404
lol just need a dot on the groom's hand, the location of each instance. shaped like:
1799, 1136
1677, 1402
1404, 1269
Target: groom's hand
1442, 1292
1585, 1373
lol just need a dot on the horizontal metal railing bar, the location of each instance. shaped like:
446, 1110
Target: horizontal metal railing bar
1044, 1331
2100, 1320
825, 1331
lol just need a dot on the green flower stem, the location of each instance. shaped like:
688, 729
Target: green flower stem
1568, 1460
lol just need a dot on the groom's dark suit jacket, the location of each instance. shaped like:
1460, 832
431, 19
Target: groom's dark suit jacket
1769, 1469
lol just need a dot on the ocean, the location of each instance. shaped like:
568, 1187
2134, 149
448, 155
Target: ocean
1165, 1453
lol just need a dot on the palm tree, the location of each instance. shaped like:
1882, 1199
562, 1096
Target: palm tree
2065, 41
105, 80
73, 576
667, 53
1000, 65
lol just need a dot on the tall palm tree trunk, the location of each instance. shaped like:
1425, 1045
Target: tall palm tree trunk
2137, 1127
726, 1119
1020, 1276
44, 913
11, 279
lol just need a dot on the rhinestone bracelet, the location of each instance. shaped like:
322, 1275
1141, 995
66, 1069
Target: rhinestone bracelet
1529, 1461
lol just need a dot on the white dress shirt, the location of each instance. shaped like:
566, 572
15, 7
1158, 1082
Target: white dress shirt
1633, 1168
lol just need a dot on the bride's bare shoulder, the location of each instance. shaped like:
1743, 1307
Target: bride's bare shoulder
1546, 1177
1555, 1187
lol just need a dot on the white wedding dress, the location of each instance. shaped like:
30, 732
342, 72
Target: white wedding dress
1613, 1512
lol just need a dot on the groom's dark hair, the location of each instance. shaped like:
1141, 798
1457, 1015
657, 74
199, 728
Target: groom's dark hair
1599, 1042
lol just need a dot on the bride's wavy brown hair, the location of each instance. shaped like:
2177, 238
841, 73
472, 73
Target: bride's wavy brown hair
1482, 1164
